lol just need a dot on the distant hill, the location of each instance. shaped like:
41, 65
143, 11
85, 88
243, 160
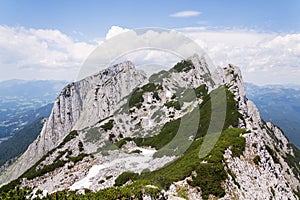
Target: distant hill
280, 105
20, 101
41, 89
18, 143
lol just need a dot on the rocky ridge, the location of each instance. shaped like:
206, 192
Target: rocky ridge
119, 103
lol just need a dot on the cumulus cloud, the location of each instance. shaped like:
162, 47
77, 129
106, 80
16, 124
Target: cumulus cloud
114, 31
40, 54
186, 13
150, 49
265, 58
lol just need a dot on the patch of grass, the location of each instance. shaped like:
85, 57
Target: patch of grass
272, 191
183, 66
51, 167
108, 125
158, 77
80, 146
15, 193
201, 91
254, 145
273, 154
182, 192
189, 95
78, 158
136, 99
174, 104
155, 95
232, 114
233, 177
73, 134
136, 151
111, 137
125, 177
123, 141
132, 191
167, 133
256, 159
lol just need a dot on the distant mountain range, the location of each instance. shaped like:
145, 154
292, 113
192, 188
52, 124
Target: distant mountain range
280, 105
23, 105
20, 101
13, 147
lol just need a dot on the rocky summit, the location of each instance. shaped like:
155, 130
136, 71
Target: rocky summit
186, 133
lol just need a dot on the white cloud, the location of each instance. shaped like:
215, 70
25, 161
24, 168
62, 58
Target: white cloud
147, 48
40, 54
114, 31
186, 13
265, 58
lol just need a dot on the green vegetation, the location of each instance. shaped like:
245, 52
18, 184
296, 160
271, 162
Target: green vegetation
183, 192
155, 95
92, 135
73, 134
256, 159
210, 169
273, 154
158, 77
123, 141
183, 66
132, 191
188, 95
174, 104
46, 169
17, 144
33, 173
293, 162
125, 177
273, 192
201, 91
108, 177
136, 151
136, 98
111, 137
167, 133
232, 114
254, 145
16, 193
108, 125
210, 175
233, 177
80, 146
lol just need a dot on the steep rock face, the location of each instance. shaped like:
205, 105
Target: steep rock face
268, 178
76, 108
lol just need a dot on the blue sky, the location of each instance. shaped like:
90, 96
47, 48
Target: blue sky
94, 18
43, 39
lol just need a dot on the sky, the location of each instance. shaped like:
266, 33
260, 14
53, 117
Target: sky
51, 39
